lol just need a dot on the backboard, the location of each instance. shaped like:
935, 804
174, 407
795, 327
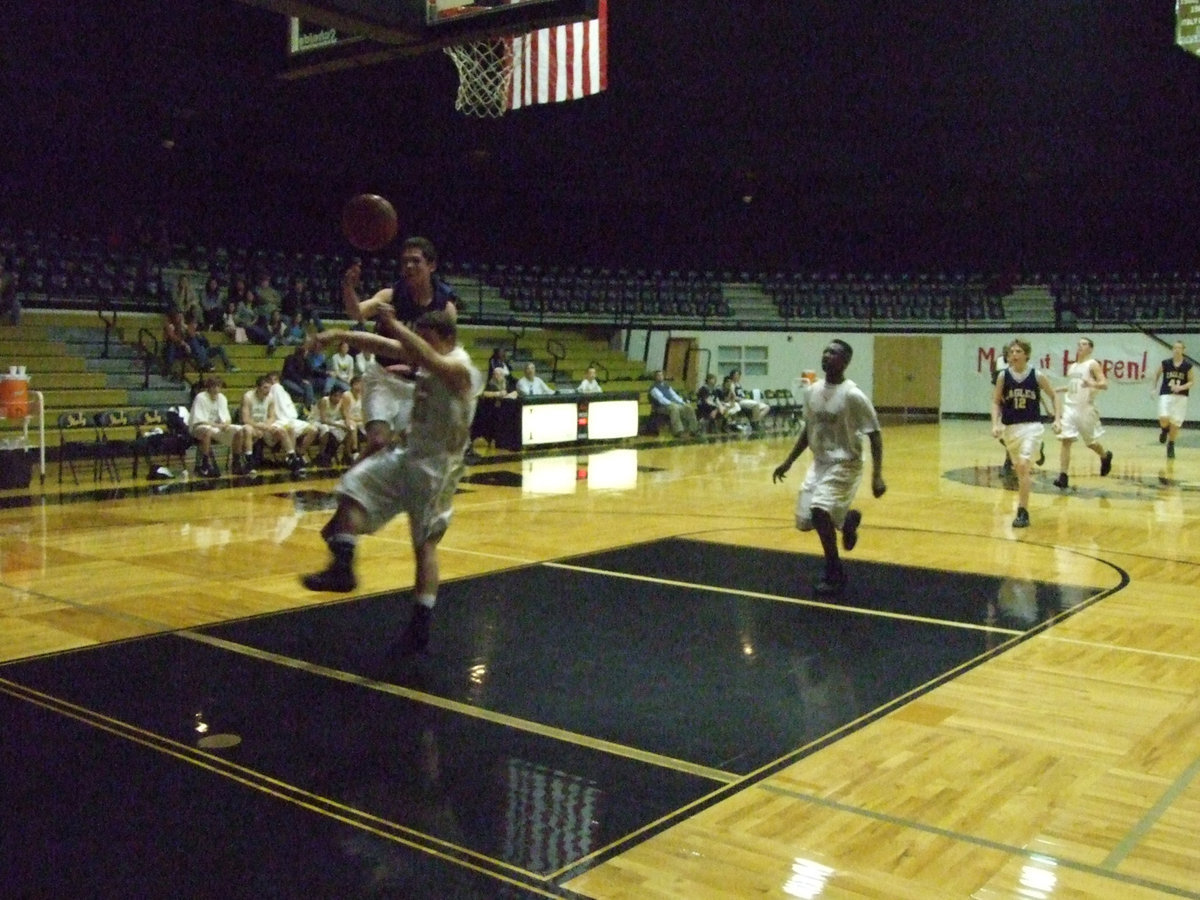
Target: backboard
331, 34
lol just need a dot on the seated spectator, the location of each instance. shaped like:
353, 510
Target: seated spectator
262, 423
530, 385
297, 334
10, 306
732, 407
246, 318
203, 352
341, 367
230, 326
294, 376
318, 368
711, 408
665, 401
496, 390
210, 304
332, 421
589, 385
499, 360
269, 300
755, 409
298, 300
210, 421
184, 300
174, 343
277, 329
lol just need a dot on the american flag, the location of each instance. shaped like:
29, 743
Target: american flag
563, 63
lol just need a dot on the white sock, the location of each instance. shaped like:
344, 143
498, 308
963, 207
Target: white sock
427, 600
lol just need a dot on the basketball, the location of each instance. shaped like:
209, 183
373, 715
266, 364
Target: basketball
369, 221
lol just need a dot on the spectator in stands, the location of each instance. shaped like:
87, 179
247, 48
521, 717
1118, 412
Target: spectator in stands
268, 298
210, 421
184, 300
730, 406
277, 328
246, 318
341, 367
261, 420
589, 385
318, 368
210, 304
1173, 378
202, 351
665, 401
499, 360
260, 329
755, 409
10, 305
296, 332
530, 385
175, 346
299, 300
238, 292
486, 410
294, 376
711, 409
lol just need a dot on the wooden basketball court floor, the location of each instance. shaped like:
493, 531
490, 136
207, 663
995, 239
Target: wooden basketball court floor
631, 689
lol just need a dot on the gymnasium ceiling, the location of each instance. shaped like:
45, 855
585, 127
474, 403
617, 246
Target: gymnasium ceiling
996, 134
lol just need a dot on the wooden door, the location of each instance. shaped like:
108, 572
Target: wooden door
682, 362
908, 374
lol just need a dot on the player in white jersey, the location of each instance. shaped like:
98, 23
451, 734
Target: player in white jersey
836, 414
1080, 418
418, 478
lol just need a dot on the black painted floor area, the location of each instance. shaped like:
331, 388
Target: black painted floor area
560, 709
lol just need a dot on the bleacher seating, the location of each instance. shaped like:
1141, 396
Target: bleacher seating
58, 270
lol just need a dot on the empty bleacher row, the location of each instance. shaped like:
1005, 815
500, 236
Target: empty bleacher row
620, 294
1147, 299
866, 298
62, 271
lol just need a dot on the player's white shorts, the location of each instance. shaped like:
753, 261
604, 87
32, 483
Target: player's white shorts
1081, 422
1173, 408
1023, 440
392, 481
387, 398
831, 487
219, 435
339, 432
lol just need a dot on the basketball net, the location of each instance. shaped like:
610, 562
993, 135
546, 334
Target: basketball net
484, 73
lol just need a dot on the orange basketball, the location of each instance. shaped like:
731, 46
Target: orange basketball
369, 221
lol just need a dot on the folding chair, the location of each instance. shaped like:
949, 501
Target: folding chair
72, 427
111, 448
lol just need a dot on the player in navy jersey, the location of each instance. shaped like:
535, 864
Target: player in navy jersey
1173, 378
1017, 418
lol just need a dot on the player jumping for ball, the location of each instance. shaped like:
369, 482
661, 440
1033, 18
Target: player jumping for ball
387, 395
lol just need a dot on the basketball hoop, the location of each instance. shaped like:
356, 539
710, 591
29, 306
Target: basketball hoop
484, 71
